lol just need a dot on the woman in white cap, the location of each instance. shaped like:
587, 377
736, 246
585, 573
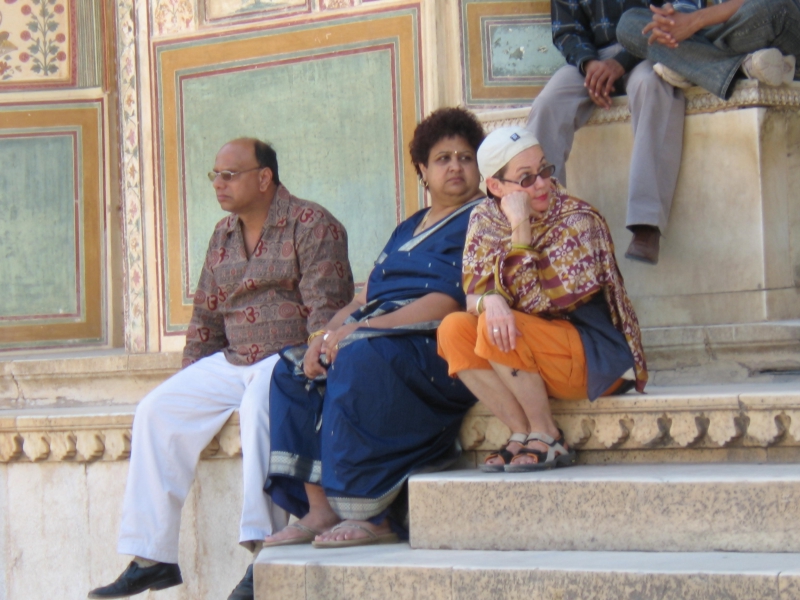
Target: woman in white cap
547, 312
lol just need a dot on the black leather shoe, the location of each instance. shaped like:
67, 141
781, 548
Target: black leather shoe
136, 579
244, 589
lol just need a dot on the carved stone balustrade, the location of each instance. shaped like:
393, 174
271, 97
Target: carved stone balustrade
694, 418
87, 434
746, 416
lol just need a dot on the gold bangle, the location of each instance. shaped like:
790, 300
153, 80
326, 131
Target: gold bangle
316, 334
479, 303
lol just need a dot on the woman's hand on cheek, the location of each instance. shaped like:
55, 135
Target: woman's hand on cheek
501, 328
330, 344
516, 206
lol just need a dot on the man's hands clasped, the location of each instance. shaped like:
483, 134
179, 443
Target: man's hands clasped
601, 75
669, 27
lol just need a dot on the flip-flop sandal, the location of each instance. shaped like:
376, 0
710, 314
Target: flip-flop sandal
309, 536
557, 455
520, 438
372, 538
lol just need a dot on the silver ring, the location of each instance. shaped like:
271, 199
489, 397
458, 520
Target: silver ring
325, 337
496, 329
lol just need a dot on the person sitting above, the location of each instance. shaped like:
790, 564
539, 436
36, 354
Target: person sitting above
344, 446
710, 46
547, 312
597, 66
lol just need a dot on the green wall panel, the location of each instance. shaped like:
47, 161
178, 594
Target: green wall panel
331, 120
37, 229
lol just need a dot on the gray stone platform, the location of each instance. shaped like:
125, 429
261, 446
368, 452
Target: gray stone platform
667, 507
397, 572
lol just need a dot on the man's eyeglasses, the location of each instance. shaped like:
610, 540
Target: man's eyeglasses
228, 175
529, 180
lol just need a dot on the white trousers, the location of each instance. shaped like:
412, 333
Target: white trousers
172, 426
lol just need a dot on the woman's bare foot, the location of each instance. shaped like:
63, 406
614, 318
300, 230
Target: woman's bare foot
314, 522
349, 530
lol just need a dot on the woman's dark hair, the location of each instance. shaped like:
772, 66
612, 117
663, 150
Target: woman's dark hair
267, 157
440, 124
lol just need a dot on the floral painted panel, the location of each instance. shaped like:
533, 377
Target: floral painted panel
232, 10
173, 16
36, 38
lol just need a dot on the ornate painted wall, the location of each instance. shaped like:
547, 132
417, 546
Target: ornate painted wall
338, 97
507, 49
336, 85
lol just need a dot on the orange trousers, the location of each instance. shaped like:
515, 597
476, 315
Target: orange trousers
551, 348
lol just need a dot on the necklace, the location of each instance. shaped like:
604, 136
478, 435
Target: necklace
421, 226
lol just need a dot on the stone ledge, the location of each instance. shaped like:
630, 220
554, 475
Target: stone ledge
87, 434
744, 416
676, 418
107, 377
746, 94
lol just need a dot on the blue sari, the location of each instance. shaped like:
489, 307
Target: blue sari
388, 407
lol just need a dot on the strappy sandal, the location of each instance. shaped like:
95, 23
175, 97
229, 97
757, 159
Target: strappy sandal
557, 455
520, 438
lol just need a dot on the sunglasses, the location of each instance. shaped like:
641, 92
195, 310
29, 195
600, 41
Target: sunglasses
228, 175
527, 181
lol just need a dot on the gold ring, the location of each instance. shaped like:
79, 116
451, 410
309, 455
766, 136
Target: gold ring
336, 346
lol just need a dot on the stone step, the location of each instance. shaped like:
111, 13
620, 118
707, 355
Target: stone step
676, 508
399, 573
718, 354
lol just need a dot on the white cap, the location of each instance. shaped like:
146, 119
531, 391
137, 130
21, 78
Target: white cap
500, 146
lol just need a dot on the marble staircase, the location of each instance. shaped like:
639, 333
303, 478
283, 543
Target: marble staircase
621, 532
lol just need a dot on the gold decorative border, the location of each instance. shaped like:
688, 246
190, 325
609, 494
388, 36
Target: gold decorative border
400, 23
88, 117
477, 92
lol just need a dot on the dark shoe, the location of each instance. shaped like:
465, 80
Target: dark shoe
244, 589
136, 579
644, 245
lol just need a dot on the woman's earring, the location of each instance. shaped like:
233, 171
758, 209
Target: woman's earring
425, 184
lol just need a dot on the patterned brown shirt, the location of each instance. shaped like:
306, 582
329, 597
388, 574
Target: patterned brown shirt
296, 279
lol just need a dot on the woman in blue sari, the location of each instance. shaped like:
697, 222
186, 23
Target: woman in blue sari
370, 401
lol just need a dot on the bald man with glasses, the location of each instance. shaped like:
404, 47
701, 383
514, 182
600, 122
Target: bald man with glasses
276, 271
